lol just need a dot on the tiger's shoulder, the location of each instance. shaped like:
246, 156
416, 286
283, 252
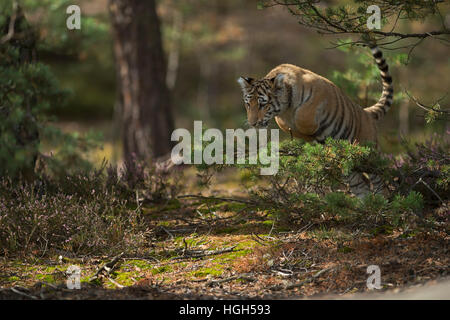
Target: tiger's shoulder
297, 74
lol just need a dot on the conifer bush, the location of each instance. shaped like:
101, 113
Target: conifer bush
311, 184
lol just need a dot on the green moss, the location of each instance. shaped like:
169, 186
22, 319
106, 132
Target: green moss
125, 278
384, 229
211, 271
13, 279
345, 249
97, 282
46, 278
164, 224
162, 269
228, 257
50, 269
141, 264
233, 206
243, 248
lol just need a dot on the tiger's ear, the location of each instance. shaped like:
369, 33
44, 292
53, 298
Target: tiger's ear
245, 82
277, 81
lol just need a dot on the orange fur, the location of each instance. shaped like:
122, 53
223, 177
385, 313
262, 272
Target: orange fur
311, 107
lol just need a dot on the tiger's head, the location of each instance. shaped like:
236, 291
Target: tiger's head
260, 99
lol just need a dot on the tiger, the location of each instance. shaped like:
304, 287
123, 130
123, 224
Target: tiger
311, 107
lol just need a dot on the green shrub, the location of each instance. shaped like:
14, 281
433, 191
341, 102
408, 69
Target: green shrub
85, 213
27, 91
310, 185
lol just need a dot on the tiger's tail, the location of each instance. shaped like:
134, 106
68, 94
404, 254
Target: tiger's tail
379, 109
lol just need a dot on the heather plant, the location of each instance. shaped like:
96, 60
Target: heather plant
94, 212
424, 167
33, 223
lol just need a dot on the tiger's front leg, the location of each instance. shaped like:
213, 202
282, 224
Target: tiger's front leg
301, 118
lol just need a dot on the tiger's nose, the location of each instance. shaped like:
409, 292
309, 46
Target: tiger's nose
253, 123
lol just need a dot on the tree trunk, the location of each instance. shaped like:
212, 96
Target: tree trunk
144, 101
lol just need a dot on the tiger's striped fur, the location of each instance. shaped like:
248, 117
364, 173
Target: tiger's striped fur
311, 107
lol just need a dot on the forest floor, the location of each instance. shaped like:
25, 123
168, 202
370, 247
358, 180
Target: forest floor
217, 250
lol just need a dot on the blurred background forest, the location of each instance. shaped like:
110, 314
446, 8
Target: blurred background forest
208, 44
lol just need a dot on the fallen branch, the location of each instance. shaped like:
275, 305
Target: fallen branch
301, 283
187, 254
241, 276
107, 267
116, 283
23, 294
429, 188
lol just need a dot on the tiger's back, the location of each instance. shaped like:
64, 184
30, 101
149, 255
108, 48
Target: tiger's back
319, 109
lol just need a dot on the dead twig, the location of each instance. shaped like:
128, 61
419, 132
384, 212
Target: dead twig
168, 232
118, 285
429, 188
244, 276
108, 267
148, 259
301, 283
428, 108
29, 296
260, 240
187, 254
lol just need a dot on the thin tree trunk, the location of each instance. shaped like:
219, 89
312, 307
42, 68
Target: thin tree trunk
146, 113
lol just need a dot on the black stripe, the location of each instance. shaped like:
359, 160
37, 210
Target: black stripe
289, 92
344, 125
274, 103
310, 94
378, 54
348, 129
324, 124
387, 79
338, 127
351, 136
303, 91
381, 63
277, 101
